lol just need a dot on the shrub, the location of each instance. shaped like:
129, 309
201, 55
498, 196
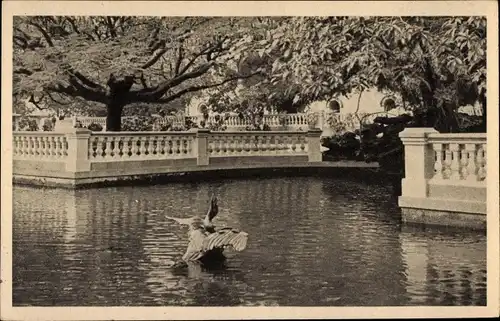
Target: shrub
95, 127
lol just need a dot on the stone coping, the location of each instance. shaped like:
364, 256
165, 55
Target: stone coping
361, 170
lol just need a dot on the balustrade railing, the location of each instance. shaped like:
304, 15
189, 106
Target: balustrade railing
443, 159
233, 121
459, 157
39, 145
257, 143
140, 146
79, 147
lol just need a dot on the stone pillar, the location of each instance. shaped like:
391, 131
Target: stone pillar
78, 150
419, 161
314, 145
201, 146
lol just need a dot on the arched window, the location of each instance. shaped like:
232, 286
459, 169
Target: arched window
335, 105
388, 103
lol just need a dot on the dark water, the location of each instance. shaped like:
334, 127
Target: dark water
312, 242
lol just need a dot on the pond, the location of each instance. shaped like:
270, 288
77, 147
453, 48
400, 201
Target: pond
312, 242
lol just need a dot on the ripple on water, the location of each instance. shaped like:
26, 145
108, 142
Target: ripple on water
312, 242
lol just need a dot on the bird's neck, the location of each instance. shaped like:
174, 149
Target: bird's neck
208, 225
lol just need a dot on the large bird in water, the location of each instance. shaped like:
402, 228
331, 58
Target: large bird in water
206, 243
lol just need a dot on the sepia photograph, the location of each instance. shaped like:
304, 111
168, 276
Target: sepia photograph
181, 159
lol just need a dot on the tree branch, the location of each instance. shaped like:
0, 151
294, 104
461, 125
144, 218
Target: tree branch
77, 89
73, 24
155, 58
157, 92
180, 57
36, 102
44, 33
56, 100
199, 88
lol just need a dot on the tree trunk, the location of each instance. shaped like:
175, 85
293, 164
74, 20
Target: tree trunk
114, 116
119, 88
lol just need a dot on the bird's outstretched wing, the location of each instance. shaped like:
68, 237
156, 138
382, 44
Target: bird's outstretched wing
226, 237
213, 210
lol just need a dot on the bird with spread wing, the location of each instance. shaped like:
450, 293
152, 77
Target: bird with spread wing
206, 243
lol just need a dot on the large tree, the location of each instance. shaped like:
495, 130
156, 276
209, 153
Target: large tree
436, 64
116, 62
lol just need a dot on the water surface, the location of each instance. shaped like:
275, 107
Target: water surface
313, 242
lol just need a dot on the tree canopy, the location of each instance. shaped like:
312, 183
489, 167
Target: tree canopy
120, 61
436, 64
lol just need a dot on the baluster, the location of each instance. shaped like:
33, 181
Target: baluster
470, 173
293, 143
481, 162
463, 163
142, 147
447, 164
228, 146
133, 147
215, 144
303, 143
65, 146
271, 144
224, 144
107, 150
58, 147
91, 148
35, 146
177, 146
455, 162
161, 147
151, 146
185, 146
49, 146
98, 147
22, 146
41, 146
126, 147
258, 144
156, 147
15, 146
246, 145
263, 143
168, 146
438, 164
116, 147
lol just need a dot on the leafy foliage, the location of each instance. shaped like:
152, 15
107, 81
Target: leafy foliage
436, 64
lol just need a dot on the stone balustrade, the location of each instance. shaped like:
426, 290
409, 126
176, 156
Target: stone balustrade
110, 146
251, 143
275, 121
35, 145
459, 157
80, 156
445, 178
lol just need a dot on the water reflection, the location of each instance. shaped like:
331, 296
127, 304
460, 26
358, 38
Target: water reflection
312, 242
